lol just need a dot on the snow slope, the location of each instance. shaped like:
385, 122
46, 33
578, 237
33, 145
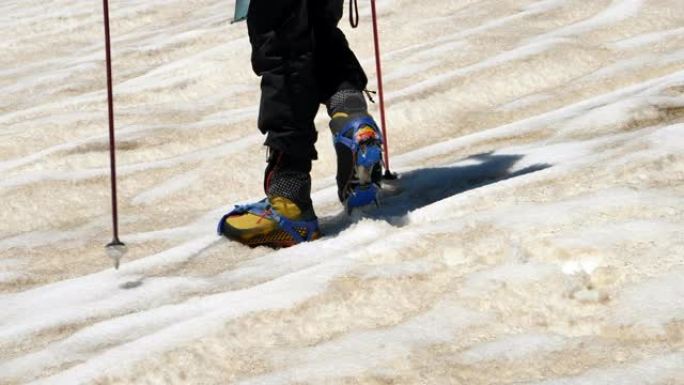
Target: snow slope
536, 235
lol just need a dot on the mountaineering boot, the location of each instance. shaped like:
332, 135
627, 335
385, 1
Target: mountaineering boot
358, 144
285, 217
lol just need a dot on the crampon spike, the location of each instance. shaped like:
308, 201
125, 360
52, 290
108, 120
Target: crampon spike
389, 175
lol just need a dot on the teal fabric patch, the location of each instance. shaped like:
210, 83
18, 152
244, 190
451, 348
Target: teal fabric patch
241, 8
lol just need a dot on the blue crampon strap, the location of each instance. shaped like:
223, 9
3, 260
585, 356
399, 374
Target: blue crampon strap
290, 226
257, 208
369, 157
263, 208
354, 125
362, 196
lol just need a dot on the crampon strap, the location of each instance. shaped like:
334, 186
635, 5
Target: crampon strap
264, 209
353, 126
362, 196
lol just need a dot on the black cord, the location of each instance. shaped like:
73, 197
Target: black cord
354, 13
369, 95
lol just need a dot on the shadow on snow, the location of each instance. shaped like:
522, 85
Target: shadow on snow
422, 187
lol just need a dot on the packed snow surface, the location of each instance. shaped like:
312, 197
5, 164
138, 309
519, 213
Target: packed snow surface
535, 235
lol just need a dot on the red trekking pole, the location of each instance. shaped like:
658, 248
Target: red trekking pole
115, 249
381, 95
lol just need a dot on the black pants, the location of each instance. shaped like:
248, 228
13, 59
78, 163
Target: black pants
303, 59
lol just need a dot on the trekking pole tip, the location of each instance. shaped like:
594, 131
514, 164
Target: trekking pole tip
116, 250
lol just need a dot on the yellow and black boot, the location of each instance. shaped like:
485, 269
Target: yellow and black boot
285, 217
358, 144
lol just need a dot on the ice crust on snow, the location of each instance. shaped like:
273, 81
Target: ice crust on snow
515, 347
356, 353
536, 229
660, 298
649, 371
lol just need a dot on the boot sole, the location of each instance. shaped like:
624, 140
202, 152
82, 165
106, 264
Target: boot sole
275, 240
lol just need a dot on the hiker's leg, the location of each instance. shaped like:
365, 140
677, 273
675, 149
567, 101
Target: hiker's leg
281, 34
336, 65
